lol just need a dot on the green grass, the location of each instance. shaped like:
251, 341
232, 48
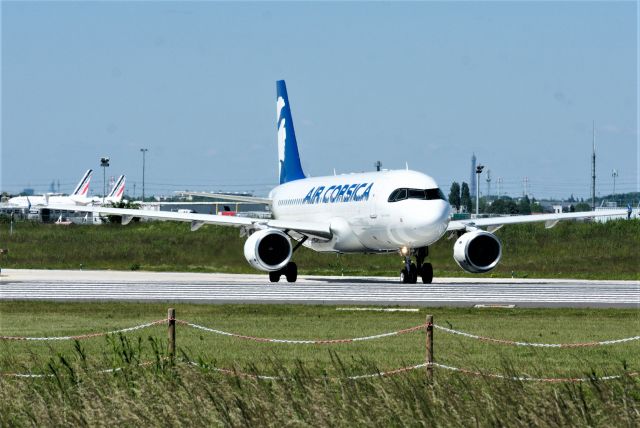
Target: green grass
570, 250
166, 395
324, 322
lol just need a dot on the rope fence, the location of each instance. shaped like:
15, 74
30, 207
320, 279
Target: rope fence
320, 341
86, 336
304, 341
429, 364
531, 379
379, 374
538, 345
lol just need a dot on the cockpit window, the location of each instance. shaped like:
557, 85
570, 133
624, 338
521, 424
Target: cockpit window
435, 194
423, 194
417, 194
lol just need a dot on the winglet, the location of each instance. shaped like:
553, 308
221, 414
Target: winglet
288, 156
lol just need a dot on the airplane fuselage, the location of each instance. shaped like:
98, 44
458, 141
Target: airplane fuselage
361, 214
39, 200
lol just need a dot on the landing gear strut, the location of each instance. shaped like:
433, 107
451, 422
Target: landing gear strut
290, 271
409, 274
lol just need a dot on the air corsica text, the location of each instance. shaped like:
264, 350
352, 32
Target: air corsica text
338, 193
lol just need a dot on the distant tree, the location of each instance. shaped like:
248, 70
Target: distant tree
512, 207
535, 206
465, 197
504, 206
454, 195
582, 207
484, 204
571, 198
498, 207
572, 209
525, 205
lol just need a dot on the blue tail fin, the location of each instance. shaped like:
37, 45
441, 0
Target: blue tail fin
288, 156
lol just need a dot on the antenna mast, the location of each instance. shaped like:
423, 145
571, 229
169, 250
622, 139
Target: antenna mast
593, 169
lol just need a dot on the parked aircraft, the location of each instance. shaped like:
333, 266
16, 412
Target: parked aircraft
115, 195
79, 194
77, 197
376, 212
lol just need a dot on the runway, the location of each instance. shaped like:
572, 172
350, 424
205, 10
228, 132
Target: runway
55, 285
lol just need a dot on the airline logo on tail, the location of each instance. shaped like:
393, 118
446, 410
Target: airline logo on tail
82, 189
117, 191
290, 168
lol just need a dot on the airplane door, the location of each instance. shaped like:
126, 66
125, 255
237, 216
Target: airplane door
373, 209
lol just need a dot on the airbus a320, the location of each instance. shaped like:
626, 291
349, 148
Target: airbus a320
400, 211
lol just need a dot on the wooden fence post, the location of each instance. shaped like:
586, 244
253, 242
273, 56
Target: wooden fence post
172, 333
429, 330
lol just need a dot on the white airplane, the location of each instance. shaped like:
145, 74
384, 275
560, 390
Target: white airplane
79, 194
78, 197
377, 212
114, 196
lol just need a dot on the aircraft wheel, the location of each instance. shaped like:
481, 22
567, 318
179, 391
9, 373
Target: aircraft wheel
426, 272
291, 272
274, 276
413, 274
404, 276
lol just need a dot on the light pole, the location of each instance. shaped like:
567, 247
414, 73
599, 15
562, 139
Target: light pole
614, 174
479, 169
104, 163
144, 152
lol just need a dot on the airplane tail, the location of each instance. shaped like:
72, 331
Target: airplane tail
82, 189
288, 157
117, 191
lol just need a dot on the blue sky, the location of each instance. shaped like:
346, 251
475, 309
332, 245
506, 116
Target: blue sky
425, 83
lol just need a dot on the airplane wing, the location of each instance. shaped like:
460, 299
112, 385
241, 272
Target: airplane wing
226, 197
315, 229
494, 223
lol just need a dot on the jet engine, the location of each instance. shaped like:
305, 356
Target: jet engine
477, 251
268, 250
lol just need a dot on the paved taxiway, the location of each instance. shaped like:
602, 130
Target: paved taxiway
226, 288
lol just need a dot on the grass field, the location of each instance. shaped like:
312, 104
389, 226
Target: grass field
570, 250
325, 322
166, 395
315, 391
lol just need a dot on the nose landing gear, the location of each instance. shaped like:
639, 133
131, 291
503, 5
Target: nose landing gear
409, 274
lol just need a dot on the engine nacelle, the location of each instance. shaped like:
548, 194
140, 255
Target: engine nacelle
268, 250
477, 251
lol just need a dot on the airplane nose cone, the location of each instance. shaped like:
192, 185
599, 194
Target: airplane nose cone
430, 223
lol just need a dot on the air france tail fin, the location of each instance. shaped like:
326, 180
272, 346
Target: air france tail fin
288, 157
117, 191
82, 189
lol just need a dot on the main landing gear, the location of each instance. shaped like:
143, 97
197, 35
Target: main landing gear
290, 271
409, 274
